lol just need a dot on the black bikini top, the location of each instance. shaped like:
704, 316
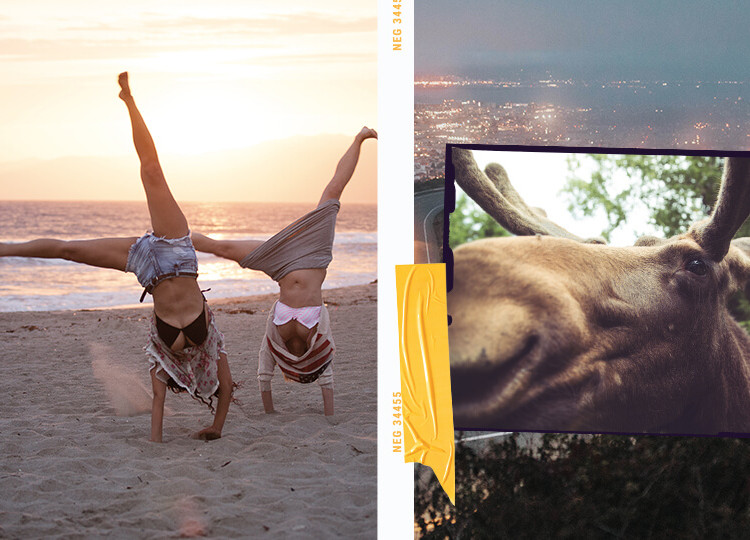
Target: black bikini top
196, 331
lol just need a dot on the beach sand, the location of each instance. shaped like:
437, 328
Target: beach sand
74, 464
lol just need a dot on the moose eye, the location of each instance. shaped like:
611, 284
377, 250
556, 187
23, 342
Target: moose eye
697, 267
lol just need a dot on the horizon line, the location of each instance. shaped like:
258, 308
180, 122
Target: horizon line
181, 201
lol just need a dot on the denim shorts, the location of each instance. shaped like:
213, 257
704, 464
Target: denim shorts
153, 259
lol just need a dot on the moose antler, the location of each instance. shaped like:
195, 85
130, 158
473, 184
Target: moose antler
732, 208
493, 191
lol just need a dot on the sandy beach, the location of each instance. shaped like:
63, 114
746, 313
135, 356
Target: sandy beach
74, 427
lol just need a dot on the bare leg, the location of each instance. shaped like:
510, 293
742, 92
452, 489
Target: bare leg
157, 406
346, 166
234, 250
102, 252
327, 401
222, 408
166, 217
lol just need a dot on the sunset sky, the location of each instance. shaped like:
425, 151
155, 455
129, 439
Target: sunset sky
208, 77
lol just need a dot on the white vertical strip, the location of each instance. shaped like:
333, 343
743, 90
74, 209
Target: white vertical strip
395, 246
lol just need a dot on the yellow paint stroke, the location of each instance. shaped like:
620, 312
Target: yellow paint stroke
425, 370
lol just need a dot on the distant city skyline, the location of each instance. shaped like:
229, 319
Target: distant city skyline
650, 116
586, 74
448, 80
639, 75
583, 39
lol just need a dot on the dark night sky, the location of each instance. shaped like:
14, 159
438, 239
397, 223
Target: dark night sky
584, 39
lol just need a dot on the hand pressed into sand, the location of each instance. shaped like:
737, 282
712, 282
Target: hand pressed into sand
224, 394
267, 399
226, 387
208, 434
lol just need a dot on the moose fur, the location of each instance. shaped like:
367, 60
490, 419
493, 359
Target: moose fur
553, 332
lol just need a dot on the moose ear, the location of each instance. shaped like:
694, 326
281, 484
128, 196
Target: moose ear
739, 263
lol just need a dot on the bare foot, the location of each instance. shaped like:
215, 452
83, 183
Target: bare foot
123, 82
208, 434
367, 133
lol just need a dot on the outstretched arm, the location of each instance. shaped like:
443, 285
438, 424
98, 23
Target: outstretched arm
346, 166
166, 217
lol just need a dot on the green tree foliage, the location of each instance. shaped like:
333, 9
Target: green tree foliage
675, 190
469, 222
602, 486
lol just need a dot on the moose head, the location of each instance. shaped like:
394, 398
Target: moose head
555, 332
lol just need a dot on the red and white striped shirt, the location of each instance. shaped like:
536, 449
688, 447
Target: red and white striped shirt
305, 368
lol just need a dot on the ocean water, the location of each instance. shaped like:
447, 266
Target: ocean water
28, 284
